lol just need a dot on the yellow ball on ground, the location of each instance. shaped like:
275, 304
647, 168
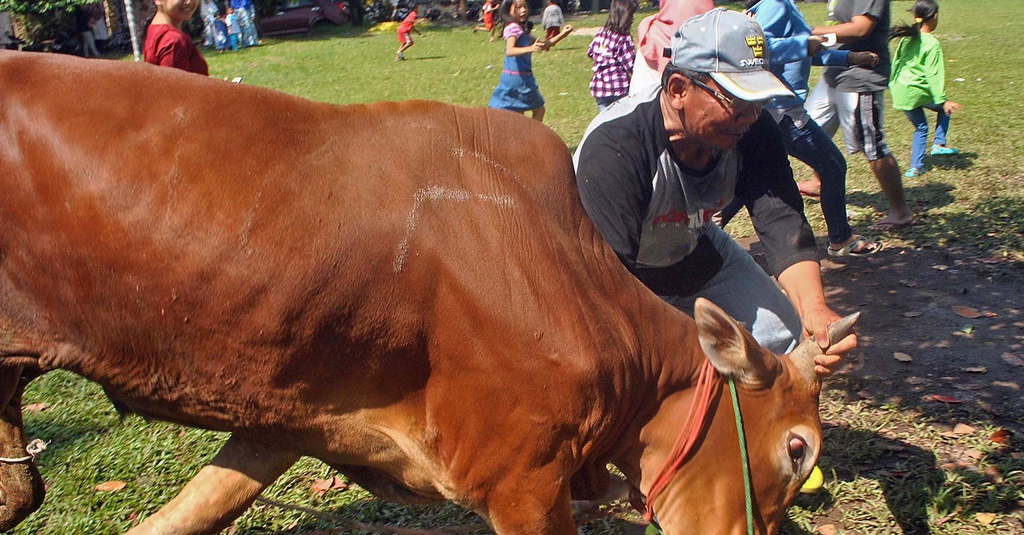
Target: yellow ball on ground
814, 481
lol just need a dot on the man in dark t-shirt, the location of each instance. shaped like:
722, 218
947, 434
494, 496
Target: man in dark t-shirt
852, 97
653, 168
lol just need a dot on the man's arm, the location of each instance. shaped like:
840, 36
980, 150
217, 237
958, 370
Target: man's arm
858, 28
802, 283
767, 187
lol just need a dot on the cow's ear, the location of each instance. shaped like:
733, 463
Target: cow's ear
731, 349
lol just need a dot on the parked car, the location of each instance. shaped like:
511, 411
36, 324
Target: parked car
300, 16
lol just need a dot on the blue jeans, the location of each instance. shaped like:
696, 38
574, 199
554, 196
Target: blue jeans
744, 291
815, 148
604, 102
920, 122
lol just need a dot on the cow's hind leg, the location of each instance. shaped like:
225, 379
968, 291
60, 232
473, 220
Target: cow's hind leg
221, 491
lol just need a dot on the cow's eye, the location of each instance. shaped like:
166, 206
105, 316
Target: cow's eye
797, 448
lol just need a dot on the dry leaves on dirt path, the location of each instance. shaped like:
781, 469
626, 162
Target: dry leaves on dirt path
971, 313
1012, 360
902, 357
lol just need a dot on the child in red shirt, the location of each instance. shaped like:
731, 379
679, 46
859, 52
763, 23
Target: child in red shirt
407, 25
166, 44
488, 25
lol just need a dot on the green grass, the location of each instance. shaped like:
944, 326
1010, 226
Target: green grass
881, 461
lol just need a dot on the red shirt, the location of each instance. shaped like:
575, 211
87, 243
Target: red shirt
406, 25
170, 47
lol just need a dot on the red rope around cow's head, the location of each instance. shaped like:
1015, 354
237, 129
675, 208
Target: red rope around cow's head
692, 426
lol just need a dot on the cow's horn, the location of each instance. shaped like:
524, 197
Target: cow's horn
803, 356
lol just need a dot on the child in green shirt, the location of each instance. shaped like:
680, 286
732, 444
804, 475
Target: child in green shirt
918, 82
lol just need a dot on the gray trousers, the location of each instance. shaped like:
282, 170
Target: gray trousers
748, 294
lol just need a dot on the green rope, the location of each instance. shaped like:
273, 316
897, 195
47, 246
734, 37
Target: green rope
743, 457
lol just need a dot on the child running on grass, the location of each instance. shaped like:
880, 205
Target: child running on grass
613, 52
517, 89
918, 82
408, 25
488, 25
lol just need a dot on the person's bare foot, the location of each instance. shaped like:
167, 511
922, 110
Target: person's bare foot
809, 188
890, 222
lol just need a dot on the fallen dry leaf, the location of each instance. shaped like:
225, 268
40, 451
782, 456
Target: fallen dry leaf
993, 474
940, 267
971, 313
963, 429
949, 517
35, 407
1001, 436
946, 399
973, 454
951, 466
975, 369
912, 314
321, 486
902, 357
967, 328
1012, 360
110, 486
827, 529
985, 518
1017, 455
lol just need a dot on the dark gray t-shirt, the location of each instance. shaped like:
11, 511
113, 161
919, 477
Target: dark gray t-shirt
855, 78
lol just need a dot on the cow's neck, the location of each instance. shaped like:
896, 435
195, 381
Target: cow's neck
671, 358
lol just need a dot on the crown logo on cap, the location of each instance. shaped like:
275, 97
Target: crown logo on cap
756, 44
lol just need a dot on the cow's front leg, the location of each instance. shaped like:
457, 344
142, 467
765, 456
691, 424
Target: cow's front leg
221, 491
531, 506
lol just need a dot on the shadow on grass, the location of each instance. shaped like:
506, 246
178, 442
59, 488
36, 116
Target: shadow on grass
436, 518
962, 161
993, 225
924, 197
906, 474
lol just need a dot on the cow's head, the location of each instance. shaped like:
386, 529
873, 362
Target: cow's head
779, 403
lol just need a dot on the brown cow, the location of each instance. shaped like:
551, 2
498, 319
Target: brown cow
410, 292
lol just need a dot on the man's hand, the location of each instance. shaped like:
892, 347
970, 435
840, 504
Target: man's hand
869, 59
950, 107
816, 321
814, 44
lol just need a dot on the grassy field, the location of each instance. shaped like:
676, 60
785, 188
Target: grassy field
974, 200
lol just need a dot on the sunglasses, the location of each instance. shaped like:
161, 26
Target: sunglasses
732, 103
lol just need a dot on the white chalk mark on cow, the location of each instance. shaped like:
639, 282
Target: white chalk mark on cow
438, 193
461, 152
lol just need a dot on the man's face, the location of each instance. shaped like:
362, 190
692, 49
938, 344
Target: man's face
712, 115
